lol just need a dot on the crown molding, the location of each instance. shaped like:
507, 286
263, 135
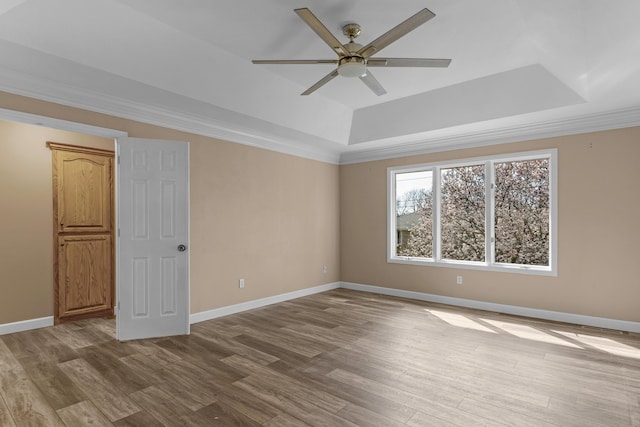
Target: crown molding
271, 137
277, 138
615, 119
50, 122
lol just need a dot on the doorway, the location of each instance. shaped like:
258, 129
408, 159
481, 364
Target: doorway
83, 228
33, 301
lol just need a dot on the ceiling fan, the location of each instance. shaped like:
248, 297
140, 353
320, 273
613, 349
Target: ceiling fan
353, 58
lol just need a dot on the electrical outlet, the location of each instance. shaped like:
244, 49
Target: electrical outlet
459, 280
241, 283
324, 269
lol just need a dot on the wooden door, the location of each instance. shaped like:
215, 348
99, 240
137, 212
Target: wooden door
83, 232
84, 269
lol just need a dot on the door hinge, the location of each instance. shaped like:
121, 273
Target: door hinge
118, 159
118, 306
118, 232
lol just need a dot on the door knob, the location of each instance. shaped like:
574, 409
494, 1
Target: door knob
182, 248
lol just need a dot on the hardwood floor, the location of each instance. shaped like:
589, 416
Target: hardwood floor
340, 358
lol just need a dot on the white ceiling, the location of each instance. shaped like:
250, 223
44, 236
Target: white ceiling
521, 69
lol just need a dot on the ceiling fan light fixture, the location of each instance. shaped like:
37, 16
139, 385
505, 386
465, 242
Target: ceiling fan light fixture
353, 58
352, 67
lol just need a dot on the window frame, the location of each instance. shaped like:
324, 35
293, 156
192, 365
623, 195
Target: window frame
489, 264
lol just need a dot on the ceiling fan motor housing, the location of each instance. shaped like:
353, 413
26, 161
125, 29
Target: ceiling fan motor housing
352, 66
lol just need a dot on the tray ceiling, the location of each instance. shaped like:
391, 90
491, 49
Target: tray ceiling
517, 65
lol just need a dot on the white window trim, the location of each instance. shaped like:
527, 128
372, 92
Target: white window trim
489, 264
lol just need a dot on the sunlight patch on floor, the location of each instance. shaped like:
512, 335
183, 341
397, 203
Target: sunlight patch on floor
605, 344
459, 321
529, 333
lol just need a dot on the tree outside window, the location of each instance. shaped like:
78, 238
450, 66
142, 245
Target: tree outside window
522, 212
462, 213
456, 211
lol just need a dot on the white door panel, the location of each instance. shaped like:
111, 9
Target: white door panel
153, 225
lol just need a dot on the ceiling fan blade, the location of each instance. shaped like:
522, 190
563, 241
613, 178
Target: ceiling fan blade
396, 32
317, 26
372, 83
321, 82
408, 62
295, 61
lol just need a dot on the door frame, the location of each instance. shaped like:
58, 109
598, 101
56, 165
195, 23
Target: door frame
66, 125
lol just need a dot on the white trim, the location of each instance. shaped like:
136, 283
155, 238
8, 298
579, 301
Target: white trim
475, 265
556, 316
250, 305
26, 325
278, 139
287, 141
607, 120
188, 254
37, 120
116, 232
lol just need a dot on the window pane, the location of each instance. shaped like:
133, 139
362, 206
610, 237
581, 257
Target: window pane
522, 212
462, 220
414, 214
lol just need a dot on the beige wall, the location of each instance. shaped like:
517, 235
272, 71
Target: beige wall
598, 227
270, 218
275, 219
26, 224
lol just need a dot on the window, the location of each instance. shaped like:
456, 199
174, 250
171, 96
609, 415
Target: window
522, 212
414, 226
492, 213
462, 213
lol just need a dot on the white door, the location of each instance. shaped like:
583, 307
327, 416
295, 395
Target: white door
152, 266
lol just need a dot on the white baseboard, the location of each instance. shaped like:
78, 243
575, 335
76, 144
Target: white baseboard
558, 316
578, 319
25, 325
250, 305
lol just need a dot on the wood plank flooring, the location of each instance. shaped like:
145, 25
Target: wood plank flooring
340, 358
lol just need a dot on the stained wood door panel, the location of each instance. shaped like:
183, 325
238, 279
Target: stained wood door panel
83, 193
84, 274
82, 189
83, 206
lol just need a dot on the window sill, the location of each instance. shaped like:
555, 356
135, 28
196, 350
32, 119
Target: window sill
471, 265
